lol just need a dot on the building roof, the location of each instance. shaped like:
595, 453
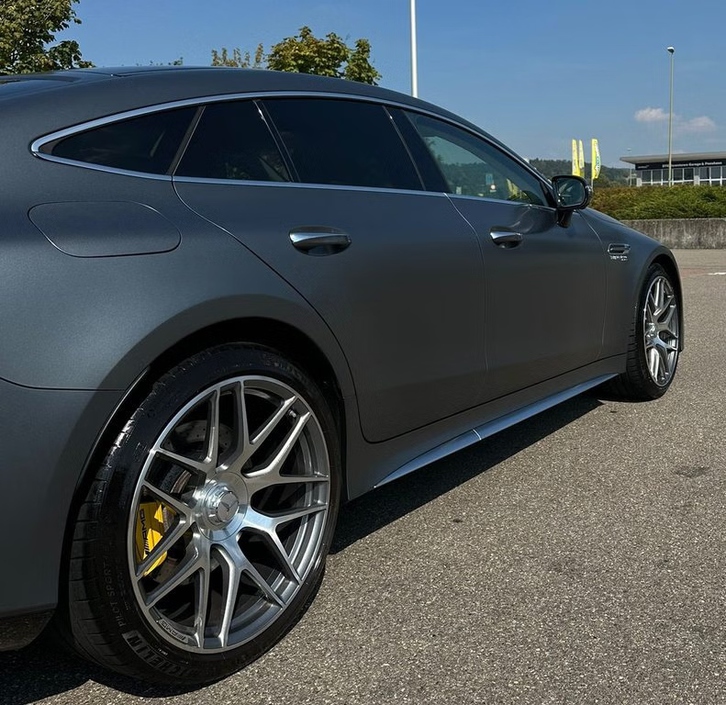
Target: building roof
675, 158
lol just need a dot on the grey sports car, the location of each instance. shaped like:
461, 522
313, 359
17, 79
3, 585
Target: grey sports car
231, 300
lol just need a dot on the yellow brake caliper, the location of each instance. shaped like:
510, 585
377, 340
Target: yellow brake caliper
150, 528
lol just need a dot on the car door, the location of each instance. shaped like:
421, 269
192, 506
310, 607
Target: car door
394, 271
545, 283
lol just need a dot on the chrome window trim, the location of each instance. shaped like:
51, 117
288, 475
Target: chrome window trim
306, 185
542, 206
240, 183
39, 142
181, 150
101, 167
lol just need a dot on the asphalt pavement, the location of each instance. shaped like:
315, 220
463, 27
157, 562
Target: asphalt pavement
576, 558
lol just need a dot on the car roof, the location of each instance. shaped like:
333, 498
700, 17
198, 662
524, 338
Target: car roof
199, 81
104, 91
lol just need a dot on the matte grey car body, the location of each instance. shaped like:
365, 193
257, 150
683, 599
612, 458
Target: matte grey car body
428, 316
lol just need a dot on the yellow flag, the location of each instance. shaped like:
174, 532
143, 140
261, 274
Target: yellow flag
575, 160
581, 160
595, 159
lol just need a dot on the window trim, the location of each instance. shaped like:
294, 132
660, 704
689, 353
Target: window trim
185, 140
201, 101
428, 170
277, 138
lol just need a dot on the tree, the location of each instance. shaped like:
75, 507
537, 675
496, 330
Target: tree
306, 53
238, 60
27, 27
359, 67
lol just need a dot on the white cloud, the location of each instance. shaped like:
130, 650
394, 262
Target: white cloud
651, 115
698, 124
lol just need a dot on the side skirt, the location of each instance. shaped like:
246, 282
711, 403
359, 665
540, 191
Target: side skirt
490, 428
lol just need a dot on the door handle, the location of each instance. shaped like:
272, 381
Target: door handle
505, 239
618, 248
319, 241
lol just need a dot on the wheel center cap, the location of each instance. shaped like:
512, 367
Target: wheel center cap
222, 505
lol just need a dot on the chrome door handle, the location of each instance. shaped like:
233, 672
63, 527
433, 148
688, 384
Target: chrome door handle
505, 239
319, 241
618, 248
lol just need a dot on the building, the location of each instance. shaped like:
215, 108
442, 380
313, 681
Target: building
707, 168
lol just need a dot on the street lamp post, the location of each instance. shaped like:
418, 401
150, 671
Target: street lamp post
630, 170
671, 51
414, 61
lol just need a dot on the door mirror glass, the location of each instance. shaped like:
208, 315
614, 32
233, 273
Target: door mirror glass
572, 192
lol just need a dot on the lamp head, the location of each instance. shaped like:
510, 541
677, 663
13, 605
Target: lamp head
671, 50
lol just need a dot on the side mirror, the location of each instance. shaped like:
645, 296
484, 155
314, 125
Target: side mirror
572, 194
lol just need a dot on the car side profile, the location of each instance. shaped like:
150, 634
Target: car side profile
233, 300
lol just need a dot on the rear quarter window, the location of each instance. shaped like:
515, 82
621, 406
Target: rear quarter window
148, 143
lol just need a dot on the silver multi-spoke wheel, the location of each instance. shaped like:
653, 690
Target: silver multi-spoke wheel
229, 513
661, 330
655, 340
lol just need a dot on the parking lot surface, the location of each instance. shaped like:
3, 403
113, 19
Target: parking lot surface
579, 557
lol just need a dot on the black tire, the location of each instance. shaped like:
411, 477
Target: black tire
108, 610
650, 336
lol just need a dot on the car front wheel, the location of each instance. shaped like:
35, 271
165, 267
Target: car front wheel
654, 344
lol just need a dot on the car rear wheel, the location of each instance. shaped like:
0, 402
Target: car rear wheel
654, 344
203, 537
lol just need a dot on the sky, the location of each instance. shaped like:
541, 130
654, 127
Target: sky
535, 74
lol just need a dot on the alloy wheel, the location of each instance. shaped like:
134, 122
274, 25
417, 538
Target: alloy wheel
229, 513
661, 330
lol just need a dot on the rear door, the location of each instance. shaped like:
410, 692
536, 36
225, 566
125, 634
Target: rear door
394, 271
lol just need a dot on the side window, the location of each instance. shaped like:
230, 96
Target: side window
232, 141
473, 167
147, 143
343, 142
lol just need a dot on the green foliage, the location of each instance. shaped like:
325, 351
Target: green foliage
359, 67
306, 53
238, 60
552, 167
609, 176
176, 62
658, 202
27, 27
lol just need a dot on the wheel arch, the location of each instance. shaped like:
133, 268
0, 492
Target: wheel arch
283, 337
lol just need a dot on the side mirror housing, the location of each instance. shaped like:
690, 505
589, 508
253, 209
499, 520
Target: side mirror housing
572, 193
